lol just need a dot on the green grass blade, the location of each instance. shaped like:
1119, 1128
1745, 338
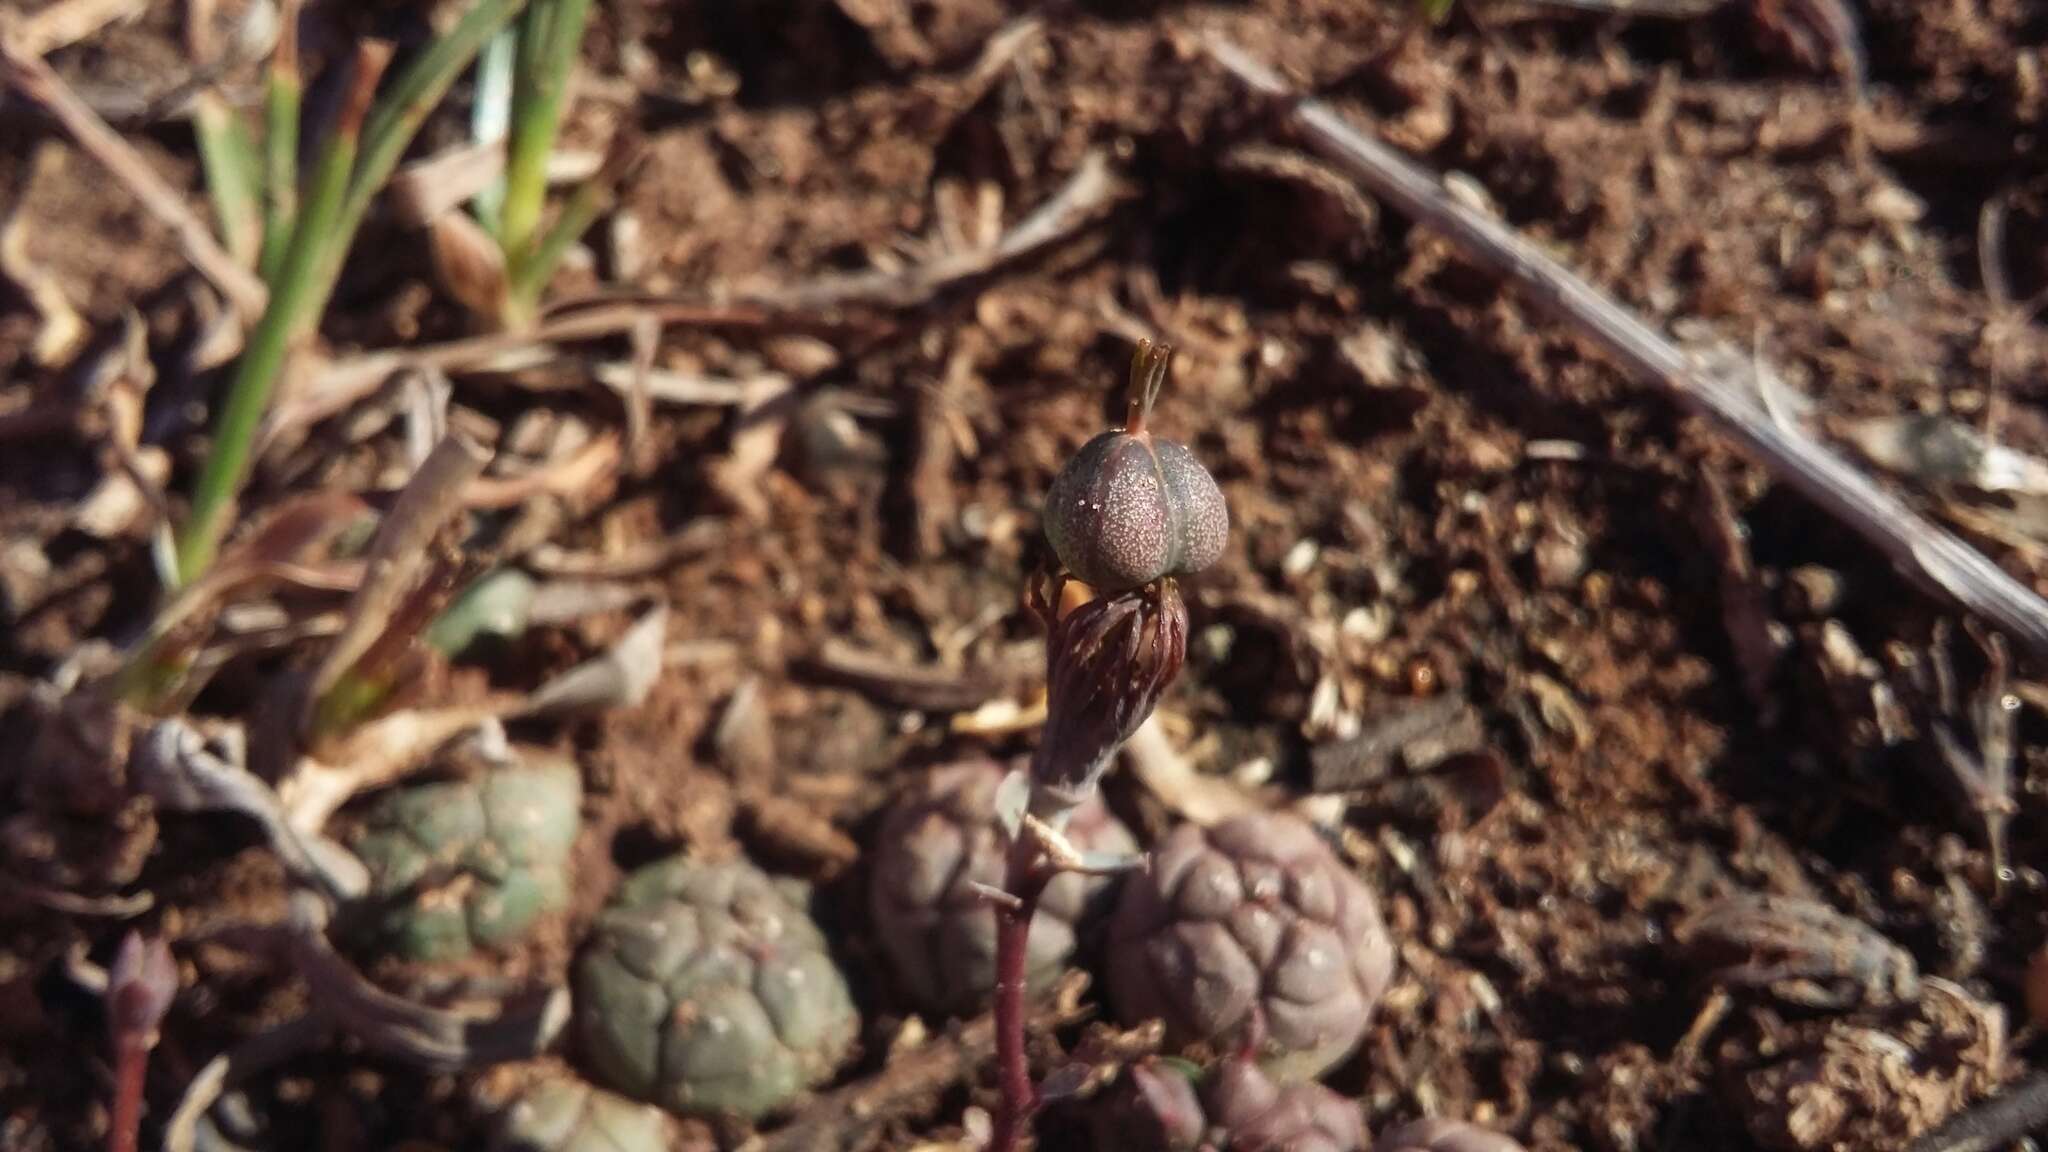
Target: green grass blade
551, 38
294, 305
398, 116
490, 117
282, 100
227, 154
529, 278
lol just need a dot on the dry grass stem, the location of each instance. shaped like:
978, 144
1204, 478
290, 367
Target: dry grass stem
36, 81
1087, 194
1933, 557
397, 555
65, 23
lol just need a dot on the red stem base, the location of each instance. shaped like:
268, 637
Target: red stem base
1025, 880
131, 1063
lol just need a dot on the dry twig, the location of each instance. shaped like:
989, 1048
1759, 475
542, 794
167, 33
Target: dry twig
1933, 557
1082, 199
924, 688
1995, 1123
66, 23
853, 1116
36, 81
1188, 792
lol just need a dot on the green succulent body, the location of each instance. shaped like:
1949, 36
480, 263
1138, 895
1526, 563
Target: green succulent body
472, 864
567, 1115
708, 990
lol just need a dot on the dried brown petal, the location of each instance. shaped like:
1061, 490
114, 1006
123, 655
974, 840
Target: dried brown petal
1108, 661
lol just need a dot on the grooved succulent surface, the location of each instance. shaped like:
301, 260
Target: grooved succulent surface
472, 863
707, 989
937, 842
567, 1115
1254, 1114
1252, 926
1156, 1108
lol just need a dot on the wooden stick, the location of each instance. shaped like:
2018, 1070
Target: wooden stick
64, 24
1931, 556
36, 81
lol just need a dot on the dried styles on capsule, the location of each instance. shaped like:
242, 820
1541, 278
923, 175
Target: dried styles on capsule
1131, 507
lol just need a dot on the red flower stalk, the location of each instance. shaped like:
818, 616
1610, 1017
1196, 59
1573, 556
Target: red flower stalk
1129, 514
139, 991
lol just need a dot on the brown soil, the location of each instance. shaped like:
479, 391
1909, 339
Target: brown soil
1387, 427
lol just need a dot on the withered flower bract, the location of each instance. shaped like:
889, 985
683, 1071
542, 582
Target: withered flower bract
1109, 658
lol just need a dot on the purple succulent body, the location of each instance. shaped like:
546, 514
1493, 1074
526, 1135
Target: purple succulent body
940, 840
1251, 932
1254, 1114
1131, 507
1238, 1109
1435, 1134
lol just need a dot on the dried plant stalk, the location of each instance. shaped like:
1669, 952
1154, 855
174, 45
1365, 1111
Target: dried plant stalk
1933, 557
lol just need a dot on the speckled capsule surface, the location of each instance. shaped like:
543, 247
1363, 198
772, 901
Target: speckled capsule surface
1130, 508
1251, 931
706, 989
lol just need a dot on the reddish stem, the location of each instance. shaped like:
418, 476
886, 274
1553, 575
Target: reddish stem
131, 1060
1024, 879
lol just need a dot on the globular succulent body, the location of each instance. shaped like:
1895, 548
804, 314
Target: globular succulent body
1436, 1134
1131, 507
1238, 1108
475, 863
566, 1115
940, 840
707, 989
1251, 932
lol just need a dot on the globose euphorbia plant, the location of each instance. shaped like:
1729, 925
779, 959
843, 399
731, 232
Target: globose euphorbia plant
940, 846
708, 989
563, 1114
1157, 1107
1129, 516
474, 863
1251, 933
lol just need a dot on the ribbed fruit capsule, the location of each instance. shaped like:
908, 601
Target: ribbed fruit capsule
1131, 507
